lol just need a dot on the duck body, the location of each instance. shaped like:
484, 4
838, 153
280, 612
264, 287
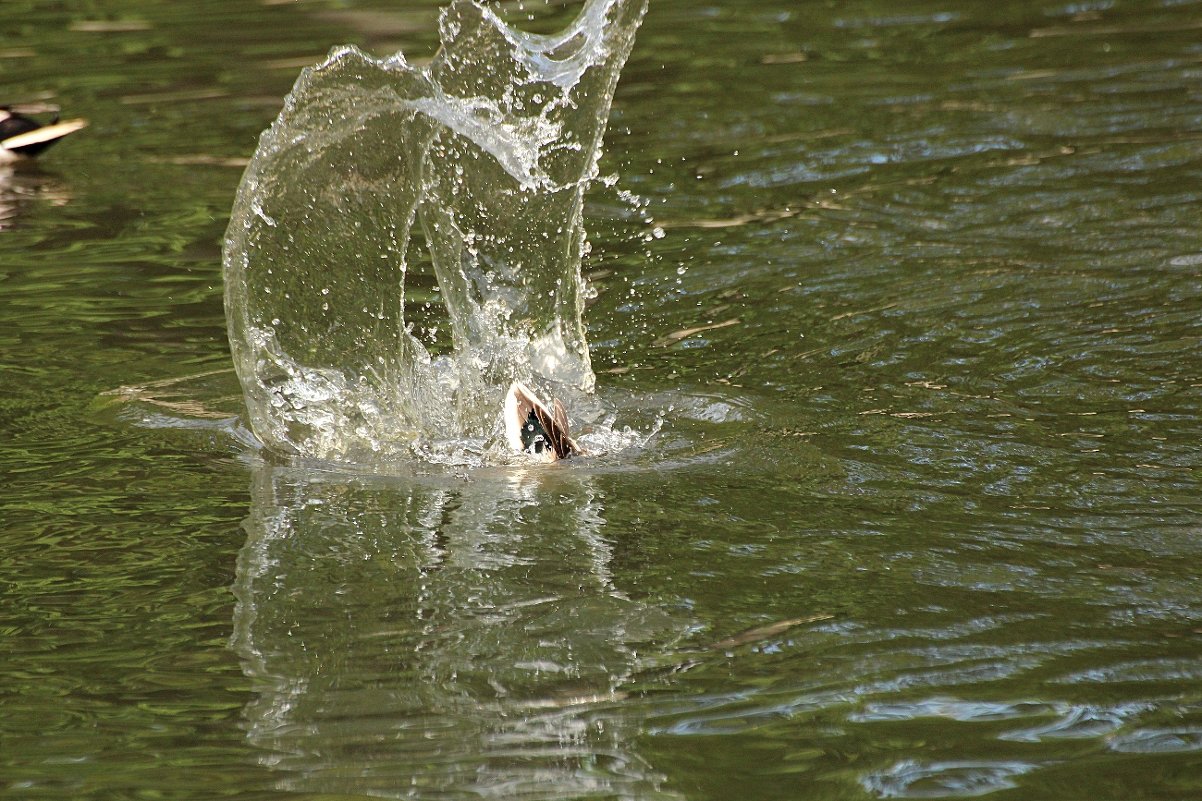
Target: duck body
534, 428
22, 137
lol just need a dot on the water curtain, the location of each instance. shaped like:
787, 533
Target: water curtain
490, 149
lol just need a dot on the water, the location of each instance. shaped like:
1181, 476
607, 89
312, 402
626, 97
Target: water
491, 148
921, 523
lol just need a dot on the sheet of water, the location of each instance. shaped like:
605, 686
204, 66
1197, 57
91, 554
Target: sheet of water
492, 146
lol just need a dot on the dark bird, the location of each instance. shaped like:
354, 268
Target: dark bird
23, 137
531, 427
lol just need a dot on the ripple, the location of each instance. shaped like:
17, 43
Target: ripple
1158, 741
961, 669
952, 709
1078, 722
1186, 260
623, 430
911, 779
742, 712
1144, 670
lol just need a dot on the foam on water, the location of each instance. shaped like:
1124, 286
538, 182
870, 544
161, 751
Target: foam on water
490, 149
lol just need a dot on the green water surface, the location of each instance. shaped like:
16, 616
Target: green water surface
916, 290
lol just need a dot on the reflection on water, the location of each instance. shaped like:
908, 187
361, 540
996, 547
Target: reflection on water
22, 185
463, 638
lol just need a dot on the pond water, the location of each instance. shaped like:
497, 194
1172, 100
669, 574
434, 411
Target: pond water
910, 293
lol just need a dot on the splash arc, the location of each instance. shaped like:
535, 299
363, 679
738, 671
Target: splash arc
489, 150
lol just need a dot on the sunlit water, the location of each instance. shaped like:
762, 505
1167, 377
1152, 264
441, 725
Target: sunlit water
914, 290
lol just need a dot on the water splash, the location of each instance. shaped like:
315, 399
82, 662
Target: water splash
490, 148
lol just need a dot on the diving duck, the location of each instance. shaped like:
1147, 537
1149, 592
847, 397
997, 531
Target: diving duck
531, 427
23, 137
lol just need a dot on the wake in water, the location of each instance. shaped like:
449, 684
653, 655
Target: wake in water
490, 149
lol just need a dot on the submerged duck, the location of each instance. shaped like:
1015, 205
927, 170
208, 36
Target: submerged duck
531, 427
23, 137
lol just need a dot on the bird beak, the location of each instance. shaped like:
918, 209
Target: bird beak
31, 142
